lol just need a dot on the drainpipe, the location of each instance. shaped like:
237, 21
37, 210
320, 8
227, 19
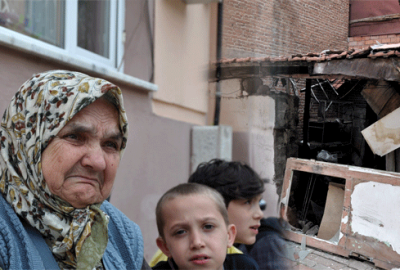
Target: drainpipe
218, 71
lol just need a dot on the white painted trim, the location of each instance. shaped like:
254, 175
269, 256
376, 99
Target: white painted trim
20, 42
120, 38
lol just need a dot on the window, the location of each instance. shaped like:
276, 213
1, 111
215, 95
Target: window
89, 30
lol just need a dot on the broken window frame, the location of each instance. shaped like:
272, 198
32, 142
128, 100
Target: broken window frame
350, 243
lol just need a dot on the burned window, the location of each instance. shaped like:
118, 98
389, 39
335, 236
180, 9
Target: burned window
315, 205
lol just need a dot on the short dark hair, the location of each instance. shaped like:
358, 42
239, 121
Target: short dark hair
187, 189
233, 179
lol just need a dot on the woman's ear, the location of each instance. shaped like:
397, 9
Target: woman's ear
231, 234
163, 246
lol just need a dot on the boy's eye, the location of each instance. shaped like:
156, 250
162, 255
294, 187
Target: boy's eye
180, 232
208, 227
263, 204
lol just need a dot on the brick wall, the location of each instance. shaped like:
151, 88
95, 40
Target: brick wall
278, 27
365, 41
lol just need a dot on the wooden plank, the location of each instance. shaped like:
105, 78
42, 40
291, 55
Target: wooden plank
332, 217
316, 243
383, 136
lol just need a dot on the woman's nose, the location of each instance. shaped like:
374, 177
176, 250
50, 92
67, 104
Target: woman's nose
196, 240
94, 158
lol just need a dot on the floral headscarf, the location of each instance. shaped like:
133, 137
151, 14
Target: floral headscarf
38, 111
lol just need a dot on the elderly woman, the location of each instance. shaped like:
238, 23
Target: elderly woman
61, 142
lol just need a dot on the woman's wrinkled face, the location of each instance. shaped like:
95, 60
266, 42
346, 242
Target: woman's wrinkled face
79, 165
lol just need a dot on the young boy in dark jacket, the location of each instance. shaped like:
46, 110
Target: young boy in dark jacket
242, 188
194, 231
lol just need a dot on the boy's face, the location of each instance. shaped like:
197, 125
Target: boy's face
195, 233
246, 215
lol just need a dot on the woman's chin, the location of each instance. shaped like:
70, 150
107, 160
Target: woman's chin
83, 198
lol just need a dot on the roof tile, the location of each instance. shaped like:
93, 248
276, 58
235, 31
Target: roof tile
372, 52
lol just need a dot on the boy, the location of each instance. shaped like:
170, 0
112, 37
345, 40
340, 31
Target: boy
241, 189
194, 231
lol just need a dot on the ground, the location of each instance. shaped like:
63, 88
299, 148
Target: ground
306, 258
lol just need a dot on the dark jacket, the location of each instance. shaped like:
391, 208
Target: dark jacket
232, 262
269, 250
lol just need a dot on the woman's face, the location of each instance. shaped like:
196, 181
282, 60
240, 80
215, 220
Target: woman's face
79, 165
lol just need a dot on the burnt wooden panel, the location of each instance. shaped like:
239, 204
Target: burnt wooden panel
353, 241
382, 97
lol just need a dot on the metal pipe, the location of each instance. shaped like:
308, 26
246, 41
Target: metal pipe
218, 72
306, 112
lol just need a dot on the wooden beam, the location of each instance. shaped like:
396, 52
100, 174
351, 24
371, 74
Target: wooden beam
379, 69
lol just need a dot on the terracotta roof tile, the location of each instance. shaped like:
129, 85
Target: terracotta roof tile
259, 59
241, 60
297, 58
376, 55
332, 56
227, 61
359, 53
390, 53
312, 59
279, 59
372, 52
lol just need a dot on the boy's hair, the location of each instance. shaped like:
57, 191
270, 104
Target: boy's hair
187, 189
234, 180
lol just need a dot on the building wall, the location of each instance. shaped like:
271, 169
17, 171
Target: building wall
182, 58
363, 42
273, 28
138, 60
373, 9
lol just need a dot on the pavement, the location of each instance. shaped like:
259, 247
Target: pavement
306, 258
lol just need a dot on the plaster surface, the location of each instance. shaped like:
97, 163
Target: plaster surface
375, 217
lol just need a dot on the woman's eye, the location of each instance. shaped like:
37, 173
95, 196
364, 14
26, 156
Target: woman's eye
112, 145
71, 136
